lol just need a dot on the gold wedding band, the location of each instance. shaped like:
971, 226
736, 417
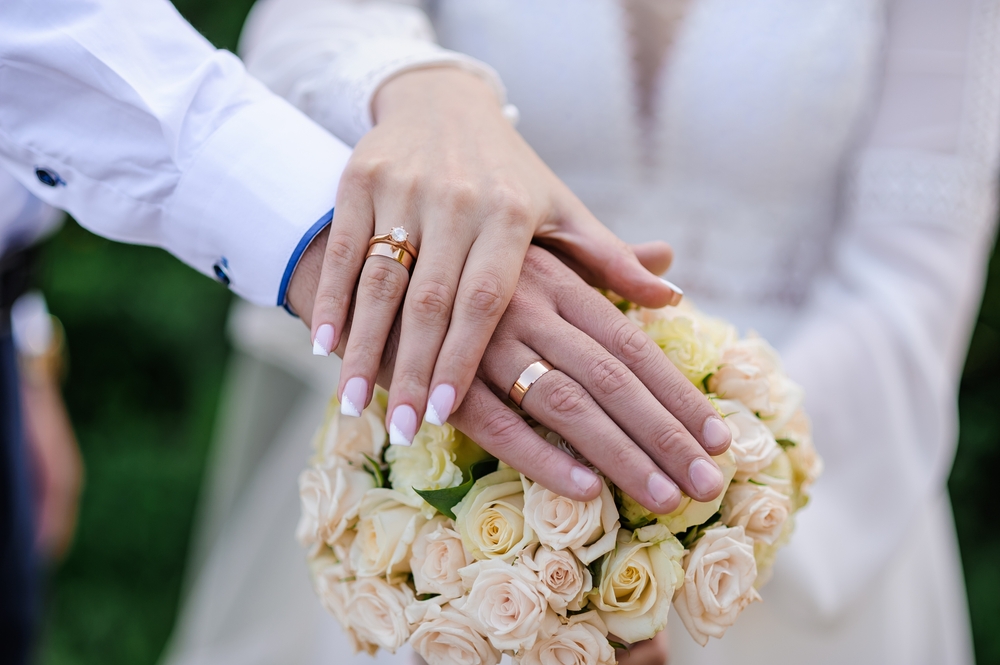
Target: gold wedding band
393, 252
534, 372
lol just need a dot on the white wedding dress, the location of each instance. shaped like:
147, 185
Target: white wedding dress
825, 170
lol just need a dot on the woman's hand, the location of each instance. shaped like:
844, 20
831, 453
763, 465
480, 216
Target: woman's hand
443, 163
614, 395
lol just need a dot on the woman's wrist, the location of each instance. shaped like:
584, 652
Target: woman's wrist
434, 88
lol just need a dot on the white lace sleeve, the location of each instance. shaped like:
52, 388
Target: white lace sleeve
329, 57
881, 346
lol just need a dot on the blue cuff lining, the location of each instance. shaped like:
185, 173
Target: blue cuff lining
293, 260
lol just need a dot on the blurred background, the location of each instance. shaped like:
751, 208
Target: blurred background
147, 354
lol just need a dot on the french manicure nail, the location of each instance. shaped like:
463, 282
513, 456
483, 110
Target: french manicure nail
323, 341
583, 479
716, 433
705, 476
402, 425
678, 293
354, 397
440, 404
660, 489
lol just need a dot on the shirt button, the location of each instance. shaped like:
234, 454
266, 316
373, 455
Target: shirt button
49, 178
221, 270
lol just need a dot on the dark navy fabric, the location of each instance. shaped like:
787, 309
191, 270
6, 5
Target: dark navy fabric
19, 581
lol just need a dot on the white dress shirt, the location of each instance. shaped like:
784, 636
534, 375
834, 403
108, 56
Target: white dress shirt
120, 113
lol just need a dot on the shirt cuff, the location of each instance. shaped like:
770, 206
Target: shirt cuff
293, 261
340, 97
263, 179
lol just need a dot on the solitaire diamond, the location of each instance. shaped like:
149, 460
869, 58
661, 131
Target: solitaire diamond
398, 234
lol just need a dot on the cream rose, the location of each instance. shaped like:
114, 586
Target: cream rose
805, 461
759, 509
506, 604
765, 554
588, 528
719, 576
387, 526
689, 512
565, 581
330, 498
582, 641
637, 581
445, 636
332, 581
350, 438
490, 518
376, 612
753, 443
691, 350
438, 554
427, 464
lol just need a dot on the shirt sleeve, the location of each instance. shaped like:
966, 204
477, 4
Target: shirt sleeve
329, 57
881, 345
120, 113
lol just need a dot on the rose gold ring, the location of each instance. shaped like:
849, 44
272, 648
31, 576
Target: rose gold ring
397, 237
393, 252
534, 372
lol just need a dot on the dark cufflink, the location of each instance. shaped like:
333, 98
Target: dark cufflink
49, 178
221, 269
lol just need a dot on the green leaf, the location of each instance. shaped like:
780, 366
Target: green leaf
689, 537
376, 470
427, 596
786, 443
756, 482
619, 645
445, 499
624, 305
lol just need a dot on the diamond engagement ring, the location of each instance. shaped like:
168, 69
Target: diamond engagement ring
394, 245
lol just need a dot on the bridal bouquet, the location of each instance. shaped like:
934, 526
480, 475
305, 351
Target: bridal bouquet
441, 545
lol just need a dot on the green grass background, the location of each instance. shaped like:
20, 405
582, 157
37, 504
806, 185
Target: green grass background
147, 358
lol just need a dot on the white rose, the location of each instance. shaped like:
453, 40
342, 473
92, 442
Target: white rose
805, 461
351, 438
753, 443
332, 582
582, 641
438, 554
759, 509
445, 636
719, 575
751, 373
387, 526
565, 581
490, 518
427, 464
588, 528
637, 581
376, 611
765, 554
691, 350
689, 512
330, 498
506, 604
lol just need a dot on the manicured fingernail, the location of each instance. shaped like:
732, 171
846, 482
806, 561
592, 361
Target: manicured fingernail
440, 404
583, 479
716, 433
678, 293
705, 476
661, 490
402, 425
354, 397
323, 341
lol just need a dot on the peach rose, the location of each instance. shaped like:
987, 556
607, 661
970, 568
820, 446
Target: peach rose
565, 580
588, 528
753, 443
719, 575
387, 527
582, 641
330, 498
445, 636
438, 554
376, 613
759, 509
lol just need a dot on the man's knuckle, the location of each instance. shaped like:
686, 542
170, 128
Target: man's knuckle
565, 399
672, 441
501, 428
631, 344
609, 375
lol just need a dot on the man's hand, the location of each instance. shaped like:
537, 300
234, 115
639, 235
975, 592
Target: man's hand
614, 395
